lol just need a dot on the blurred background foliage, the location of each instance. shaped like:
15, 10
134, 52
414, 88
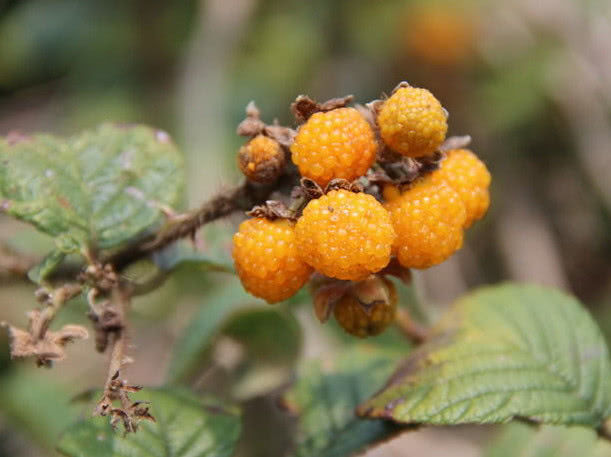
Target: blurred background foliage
529, 80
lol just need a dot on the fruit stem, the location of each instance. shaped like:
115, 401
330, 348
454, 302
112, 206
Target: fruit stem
414, 331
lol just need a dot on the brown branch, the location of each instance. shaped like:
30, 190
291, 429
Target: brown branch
117, 338
116, 389
240, 198
54, 300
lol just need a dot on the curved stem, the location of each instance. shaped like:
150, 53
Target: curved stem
239, 198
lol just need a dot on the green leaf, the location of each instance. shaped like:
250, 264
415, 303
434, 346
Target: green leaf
185, 426
267, 339
178, 256
271, 340
503, 352
46, 266
204, 327
100, 188
325, 398
548, 441
36, 404
268, 333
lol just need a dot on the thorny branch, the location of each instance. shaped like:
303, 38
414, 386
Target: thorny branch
116, 389
239, 198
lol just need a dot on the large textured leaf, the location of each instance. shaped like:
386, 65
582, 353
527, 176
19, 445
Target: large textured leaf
99, 188
548, 441
503, 352
325, 398
186, 426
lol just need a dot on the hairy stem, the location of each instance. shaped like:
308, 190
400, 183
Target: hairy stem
239, 198
117, 338
414, 331
55, 301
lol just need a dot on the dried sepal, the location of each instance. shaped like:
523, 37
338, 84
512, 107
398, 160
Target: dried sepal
252, 125
455, 142
326, 292
368, 307
46, 348
401, 171
272, 210
129, 413
105, 317
401, 85
285, 136
370, 292
394, 268
101, 277
303, 107
338, 183
311, 189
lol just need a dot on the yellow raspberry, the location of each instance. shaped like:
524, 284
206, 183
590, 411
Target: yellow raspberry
335, 144
365, 319
345, 235
428, 219
468, 176
412, 122
439, 35
266, 259
261, 159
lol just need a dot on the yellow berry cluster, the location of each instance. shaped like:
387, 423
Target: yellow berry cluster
352, 232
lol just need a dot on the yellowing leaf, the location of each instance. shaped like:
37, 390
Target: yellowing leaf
504, 352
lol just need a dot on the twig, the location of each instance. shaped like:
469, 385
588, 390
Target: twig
240, 198
117, 337
54, 300
115, 388
414, 331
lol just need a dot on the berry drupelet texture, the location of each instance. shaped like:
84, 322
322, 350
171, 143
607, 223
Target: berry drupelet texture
345, 235
428, 219
261, 159
470, 178
266, 259
412, 122
334, 144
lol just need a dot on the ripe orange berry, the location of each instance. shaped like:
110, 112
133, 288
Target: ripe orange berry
367, 318
439, 35
428, 219
345, 235
468, 176
261, 159
334, 144
412, 122
266, 259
